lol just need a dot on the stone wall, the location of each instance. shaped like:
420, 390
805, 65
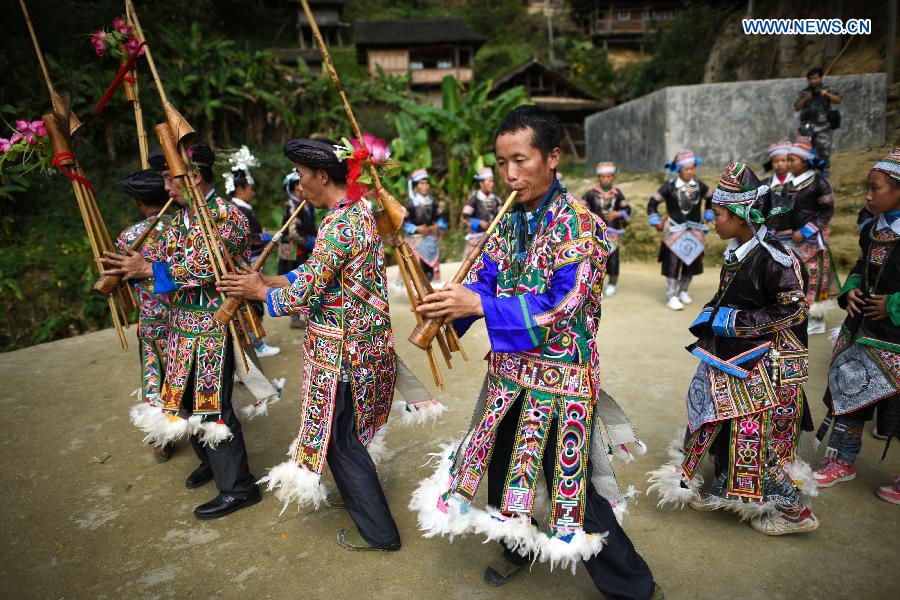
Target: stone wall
727, 121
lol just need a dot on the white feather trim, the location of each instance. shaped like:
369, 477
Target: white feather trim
142, 413
746, 510
456, 516
819, 310
377, 448
620, 506
417, 413
293, 483
212, 433
257, 409
801, 474
669, 482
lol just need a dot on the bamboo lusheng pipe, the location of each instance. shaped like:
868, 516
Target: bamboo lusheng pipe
84, 198
425, 332
177, 166
391, 212
229, 308
107, 283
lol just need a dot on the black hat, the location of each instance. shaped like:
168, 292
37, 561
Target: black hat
157, 159
314, 154
146, 186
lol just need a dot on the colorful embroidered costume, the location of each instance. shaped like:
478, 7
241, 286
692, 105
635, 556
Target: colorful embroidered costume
540, 410
153, 316
684, 234
424, 211
603, 202
865, 367
745, 404
198, 344
813, 207
348, 339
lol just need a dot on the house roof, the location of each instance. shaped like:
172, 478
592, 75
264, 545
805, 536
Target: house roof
558, 91
386, 34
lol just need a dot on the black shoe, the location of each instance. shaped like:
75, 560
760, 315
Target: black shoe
224, 504
201, 476
162, 454
501, 572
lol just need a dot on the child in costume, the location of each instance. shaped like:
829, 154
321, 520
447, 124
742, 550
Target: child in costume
778, 165
481, 208
745, 403
865, 368
607, 202
684, 234
425, 224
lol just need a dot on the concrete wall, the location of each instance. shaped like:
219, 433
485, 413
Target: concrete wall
727, 121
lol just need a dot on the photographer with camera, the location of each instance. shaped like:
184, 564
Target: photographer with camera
817, 117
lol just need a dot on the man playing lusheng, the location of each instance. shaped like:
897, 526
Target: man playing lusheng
540, 407
348, 354
196, 395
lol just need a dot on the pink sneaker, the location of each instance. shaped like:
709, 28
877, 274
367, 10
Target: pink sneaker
890, 492
833, 471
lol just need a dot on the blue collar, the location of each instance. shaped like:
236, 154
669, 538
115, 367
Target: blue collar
892, 216
527, 223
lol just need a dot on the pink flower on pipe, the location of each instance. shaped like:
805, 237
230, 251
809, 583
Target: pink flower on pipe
121, 25
4, 145
29, 131
378, 148
98, 40
133, 44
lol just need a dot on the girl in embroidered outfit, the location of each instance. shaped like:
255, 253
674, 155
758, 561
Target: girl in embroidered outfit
148, 190
425, 224
296, 247
481, 208
201, 360
684, 234
607, 202
807, 228
348, 356
778, 164
745, 403
538, 286
868, 346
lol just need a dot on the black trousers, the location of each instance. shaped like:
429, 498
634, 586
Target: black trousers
618, 571
355, 476
228, 460
612, 264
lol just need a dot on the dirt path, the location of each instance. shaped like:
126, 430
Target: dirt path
89, 514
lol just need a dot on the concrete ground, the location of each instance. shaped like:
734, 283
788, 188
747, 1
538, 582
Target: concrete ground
88, 513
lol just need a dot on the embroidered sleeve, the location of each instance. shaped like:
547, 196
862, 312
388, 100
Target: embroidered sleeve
468, 215
311, 280
658, 196
519, 322
825, 205
855, 278
789, 307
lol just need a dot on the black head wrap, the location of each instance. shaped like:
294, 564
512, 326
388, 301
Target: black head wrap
146, 186
316, 155
202, 155
157, 159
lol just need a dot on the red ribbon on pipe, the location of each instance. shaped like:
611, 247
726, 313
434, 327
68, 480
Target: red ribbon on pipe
58, 159
121, 76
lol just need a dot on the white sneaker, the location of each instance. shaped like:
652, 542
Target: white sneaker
684, 298
610, 290
674, 303
266, 350
815, 326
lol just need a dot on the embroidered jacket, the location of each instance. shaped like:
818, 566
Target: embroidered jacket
877, 272
182, 268
342, 288
684, 202
541, 302
813, 203
153, 313
479, 211
604, 202
759, 303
